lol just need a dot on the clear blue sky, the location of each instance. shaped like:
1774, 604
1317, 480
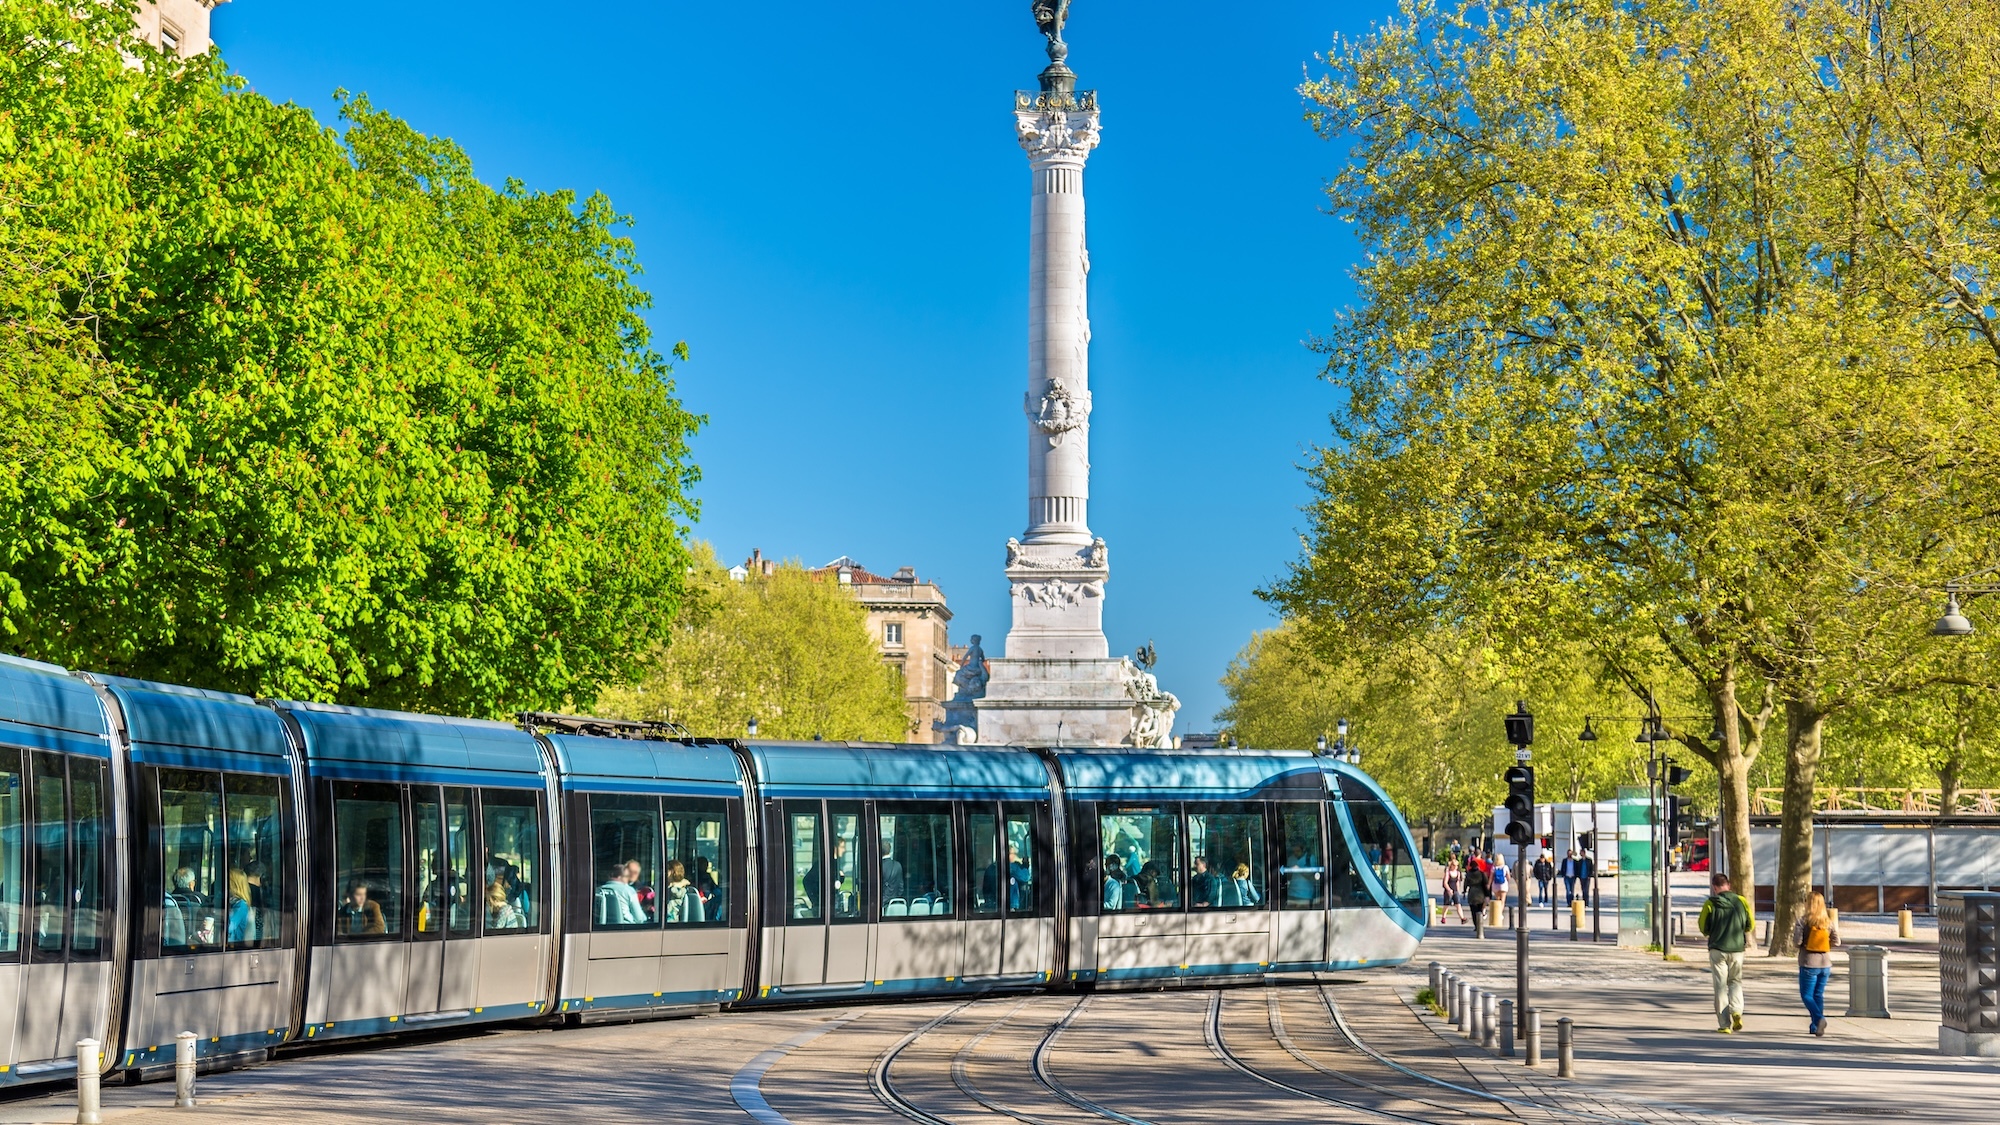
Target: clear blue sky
832, 212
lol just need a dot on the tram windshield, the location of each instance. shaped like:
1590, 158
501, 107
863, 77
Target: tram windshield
1386, 849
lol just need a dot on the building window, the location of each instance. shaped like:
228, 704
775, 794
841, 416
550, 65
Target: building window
170, 37
892, 633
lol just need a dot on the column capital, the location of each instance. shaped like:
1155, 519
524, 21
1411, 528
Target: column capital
1053, 133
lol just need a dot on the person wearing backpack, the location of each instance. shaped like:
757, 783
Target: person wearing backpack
1815, 938
1726, 919
1478, 891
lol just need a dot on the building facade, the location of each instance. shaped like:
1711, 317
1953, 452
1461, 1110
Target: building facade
178, 27
910, 622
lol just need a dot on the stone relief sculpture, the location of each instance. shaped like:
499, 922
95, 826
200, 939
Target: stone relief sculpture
1013, 551
972, 674
1060, 412
1099, 557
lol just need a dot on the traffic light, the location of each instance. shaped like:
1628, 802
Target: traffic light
1583, 841
1548, 843
1520, 801
1677, 775
1521, 727
1680, 815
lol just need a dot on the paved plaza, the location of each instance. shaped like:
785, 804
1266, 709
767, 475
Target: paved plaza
1347, 1047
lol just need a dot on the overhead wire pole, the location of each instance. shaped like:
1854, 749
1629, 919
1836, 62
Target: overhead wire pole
1520, 829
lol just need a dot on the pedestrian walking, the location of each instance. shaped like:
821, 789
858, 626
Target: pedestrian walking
1726, 919
1499, 877
1478, 892
1545, 873
1454, 889
1815, 936
1586, 875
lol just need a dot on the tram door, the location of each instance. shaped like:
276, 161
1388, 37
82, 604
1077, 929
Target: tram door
1301, 884
444, 958
825, 899
1004, 934
64, 975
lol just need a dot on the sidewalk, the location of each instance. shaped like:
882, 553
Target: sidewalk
1645, 1035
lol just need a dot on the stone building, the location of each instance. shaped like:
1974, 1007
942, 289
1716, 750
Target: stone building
179, 27
910, 623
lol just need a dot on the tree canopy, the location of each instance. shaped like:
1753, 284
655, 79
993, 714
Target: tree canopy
311, 413
1675, 338
787, 649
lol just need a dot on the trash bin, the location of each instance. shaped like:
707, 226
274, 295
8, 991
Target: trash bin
1868, 981
1969, 973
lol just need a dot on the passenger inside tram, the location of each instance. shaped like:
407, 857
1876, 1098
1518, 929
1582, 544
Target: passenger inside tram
501, 914
241, 925
683, 902
1117, 887
1205, 888
705, 884
893, 884
357, 914
617, 903
642, 891
1241, 890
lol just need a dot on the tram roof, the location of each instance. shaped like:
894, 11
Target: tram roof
171, 725
630, 764
1115, 775
375, 745
898, 771
48, 709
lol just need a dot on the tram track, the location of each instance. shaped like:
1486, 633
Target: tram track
883, 1083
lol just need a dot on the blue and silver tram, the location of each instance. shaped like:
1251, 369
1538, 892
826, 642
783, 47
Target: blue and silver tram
270, 873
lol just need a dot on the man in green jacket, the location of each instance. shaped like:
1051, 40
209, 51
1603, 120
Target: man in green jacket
1726, 919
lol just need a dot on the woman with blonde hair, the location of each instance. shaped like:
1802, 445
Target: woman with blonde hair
500, 913
239, 906
1815, 937
1454, 890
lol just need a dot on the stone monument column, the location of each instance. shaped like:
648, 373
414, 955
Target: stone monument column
1058, 684
1057, 570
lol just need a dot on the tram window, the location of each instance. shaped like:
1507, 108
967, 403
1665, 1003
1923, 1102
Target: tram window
916, 863
1382, 845
51, 836
458, 859
427, 819
850, 887
87, 809
513, 833
11, 793
190, 850
988, 881
625, 852
1142, 859
368, 860
1302, 868
697, 837
1227, 868
1343, 881
1023, 857
255, 888
802, 867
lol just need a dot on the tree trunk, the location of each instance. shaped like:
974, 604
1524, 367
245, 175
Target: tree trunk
1732, 766
1804, 722
1950, 773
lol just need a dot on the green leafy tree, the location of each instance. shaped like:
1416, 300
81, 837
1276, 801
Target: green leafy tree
1426, 716
383, 434
787, 649
1663, 347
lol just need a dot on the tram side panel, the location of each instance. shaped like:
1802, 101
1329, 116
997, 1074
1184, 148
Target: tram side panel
59, 913
655, 918
214, 869
433, 872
